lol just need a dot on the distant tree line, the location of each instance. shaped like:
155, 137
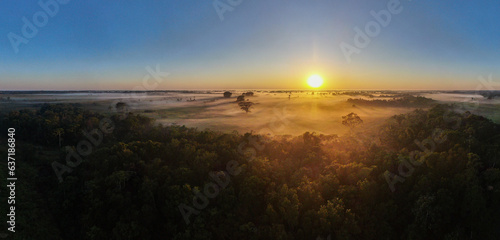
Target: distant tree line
405, 101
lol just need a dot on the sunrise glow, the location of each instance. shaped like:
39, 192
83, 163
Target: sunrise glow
315, 81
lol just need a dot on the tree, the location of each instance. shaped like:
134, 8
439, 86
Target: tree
351, 120
58, 132
336, 218
245, 106
240, 98
227, 94
121, 107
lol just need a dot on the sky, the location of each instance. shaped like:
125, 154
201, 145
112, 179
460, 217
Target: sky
248, 44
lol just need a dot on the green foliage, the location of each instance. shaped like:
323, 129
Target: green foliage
240, 98
245, 106
300, 187
351, 120
401, 101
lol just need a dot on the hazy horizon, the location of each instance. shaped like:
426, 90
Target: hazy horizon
245, 89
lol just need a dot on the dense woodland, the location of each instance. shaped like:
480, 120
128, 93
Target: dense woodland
136, 183
403, 101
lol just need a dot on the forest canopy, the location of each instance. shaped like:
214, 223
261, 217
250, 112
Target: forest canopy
430, 174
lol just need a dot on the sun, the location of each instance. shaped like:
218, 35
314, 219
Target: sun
315, 81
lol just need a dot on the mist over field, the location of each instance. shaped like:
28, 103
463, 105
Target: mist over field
276, 112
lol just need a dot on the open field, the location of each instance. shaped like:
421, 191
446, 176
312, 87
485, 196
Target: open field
273, 112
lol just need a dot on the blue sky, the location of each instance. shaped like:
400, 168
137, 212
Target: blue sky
260, 44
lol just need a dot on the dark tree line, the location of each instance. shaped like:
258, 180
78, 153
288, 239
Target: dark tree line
301, 187
403, 101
